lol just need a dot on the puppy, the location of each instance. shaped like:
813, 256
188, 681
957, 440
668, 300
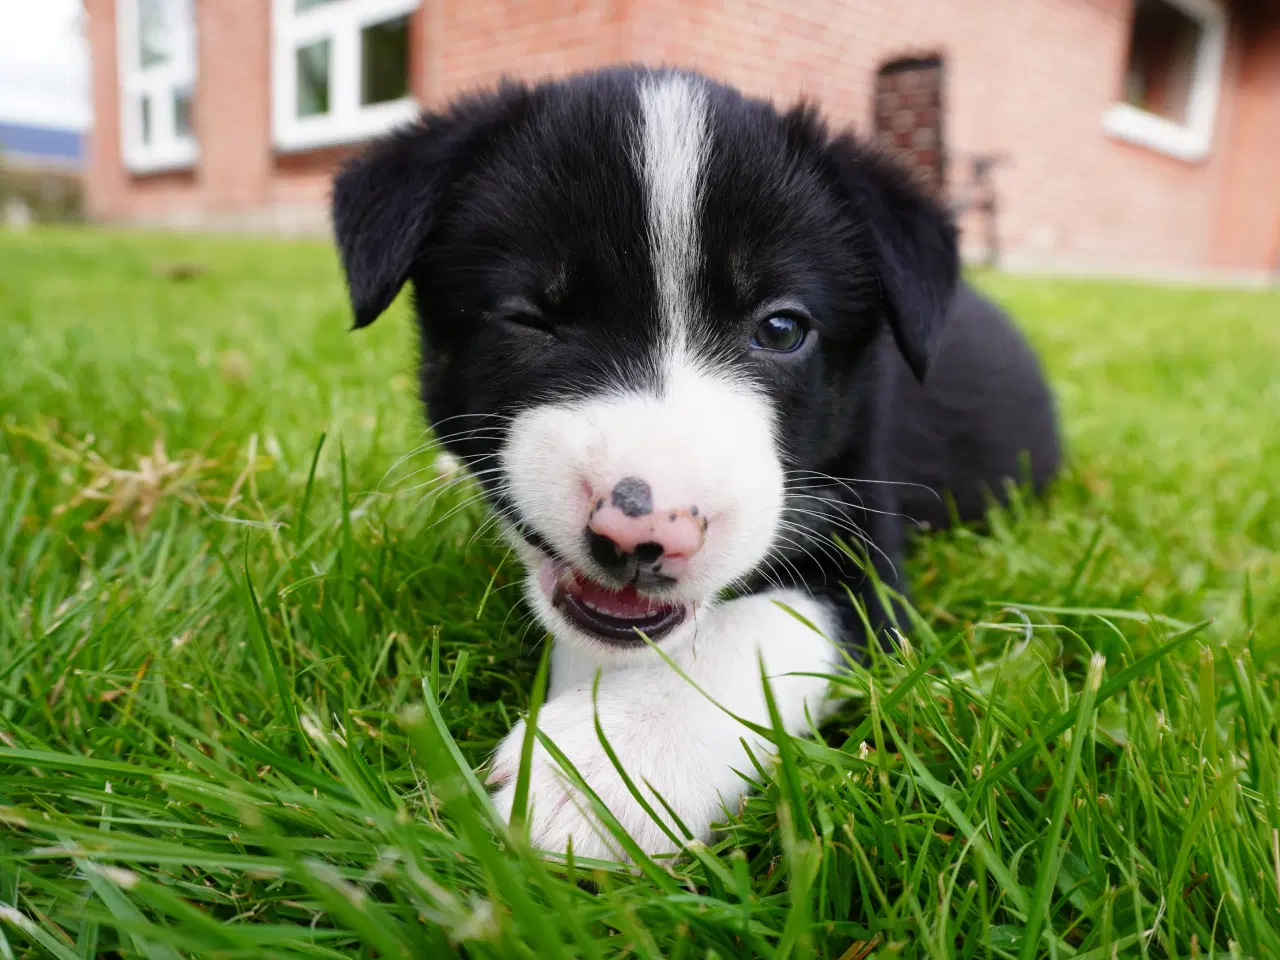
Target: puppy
684, 341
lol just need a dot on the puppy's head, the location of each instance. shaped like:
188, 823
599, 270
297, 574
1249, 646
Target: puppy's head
643, 299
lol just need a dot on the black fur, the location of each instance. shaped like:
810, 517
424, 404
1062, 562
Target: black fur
519, 219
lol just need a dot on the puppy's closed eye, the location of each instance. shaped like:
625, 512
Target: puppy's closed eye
525, 315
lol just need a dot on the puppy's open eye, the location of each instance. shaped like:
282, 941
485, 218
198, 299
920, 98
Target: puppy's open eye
780, 333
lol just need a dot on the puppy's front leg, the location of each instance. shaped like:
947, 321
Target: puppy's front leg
668, 736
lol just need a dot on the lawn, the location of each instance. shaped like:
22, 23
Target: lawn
250, 655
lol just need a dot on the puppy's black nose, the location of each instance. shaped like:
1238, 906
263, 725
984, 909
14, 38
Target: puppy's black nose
620, 562
631, 539
633, 497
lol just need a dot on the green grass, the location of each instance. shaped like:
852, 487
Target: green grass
244, 686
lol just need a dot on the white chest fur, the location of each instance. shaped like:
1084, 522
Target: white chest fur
668, 736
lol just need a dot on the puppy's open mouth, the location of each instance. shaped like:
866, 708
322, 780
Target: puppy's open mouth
609, 614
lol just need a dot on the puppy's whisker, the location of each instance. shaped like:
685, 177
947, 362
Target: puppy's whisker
484, 529
847, 526
818, 485
779, 564
501, 417
465, 472
829, 556
462, 477
438, 443
521, 615
836, 502
826, 544
497, 516
480, 433
859, 535
433, 444
530, 622
843, 500
844, 481
851, 528
484, 432
823, 485
435, 493
762, 571
874, 547
402, 459
768, 571
432, 441
798, 577
458, 508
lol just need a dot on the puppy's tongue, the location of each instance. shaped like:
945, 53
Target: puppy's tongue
626, 603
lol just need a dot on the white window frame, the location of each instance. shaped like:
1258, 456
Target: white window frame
1190, 140
159, 82
347, 121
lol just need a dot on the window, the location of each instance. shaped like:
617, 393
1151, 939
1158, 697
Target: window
340, 70
157, 69
1172, 74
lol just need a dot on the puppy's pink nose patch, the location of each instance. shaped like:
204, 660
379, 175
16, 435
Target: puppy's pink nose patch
629, 519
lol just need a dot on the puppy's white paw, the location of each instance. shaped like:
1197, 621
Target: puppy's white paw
667, 735
690, 768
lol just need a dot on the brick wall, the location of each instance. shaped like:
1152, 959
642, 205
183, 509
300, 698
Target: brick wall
1030, 78
241, 181
232, 107
1248, 223
474, 43
1073, 196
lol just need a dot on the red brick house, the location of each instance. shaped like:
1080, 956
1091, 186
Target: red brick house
1139, 134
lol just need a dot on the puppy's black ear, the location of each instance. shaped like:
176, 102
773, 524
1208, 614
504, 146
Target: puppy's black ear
383, 207
387, 200
913, 241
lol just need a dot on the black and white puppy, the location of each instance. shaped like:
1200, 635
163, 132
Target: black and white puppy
680, 337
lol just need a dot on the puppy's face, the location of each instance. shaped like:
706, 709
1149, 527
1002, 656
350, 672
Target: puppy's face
643, 299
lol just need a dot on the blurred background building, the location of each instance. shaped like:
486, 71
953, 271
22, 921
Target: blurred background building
1133, 135
44, 111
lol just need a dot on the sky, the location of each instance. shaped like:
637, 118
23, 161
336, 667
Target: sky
44, 64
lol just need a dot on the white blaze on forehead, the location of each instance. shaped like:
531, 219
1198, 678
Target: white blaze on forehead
674, 141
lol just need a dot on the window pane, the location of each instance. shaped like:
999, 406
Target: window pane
182, 112
158, 22
144, 113
313, 79
384, 61
1162, 59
